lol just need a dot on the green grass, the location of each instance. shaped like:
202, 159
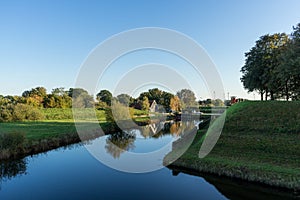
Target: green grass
66, 114
58, 129
45, 135
137, 112
260, 142
38, 130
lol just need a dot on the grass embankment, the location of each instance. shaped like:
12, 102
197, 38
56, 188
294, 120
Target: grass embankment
260, 142
19, 139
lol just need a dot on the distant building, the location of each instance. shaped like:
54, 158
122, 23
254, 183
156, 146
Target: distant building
234, 100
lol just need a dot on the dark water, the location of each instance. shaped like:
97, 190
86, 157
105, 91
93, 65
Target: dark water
73, 173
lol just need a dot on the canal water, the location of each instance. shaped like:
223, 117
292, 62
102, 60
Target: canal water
73, 173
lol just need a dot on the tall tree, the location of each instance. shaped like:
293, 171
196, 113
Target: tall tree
145, 103
187, 97
105, 96
81, 98
35, 97
261, 64
175, 104
125, 99
289, 69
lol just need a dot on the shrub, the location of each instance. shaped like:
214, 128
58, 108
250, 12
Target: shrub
5, 114
26, 112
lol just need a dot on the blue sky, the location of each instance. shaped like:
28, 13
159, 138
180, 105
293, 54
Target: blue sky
44, 43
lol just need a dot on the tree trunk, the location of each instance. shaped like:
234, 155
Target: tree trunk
266, 98
272, 95
261, 96
287, 91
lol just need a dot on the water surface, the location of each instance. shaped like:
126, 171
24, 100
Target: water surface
73, 173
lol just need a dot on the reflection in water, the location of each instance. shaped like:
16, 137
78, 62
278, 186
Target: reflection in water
237, 189
120, 142
11, 169
174, 128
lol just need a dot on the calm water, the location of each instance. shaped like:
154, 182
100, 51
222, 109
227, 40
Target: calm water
73, 173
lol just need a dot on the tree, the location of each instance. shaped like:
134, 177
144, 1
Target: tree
218, 102
35, 96
166, 100
289, 69
261, 63
38, 91
118, 112
145, 104
162, 98
175, 104
58, 98
104, 96
187, 97
81, 98
125, 99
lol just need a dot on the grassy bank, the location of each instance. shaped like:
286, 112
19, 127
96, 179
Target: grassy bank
260, 143
19, 139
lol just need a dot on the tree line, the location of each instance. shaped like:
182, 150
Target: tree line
27, 106
272, 66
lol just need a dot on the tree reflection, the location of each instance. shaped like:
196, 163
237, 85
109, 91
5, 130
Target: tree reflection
11, 169
119, 142
175, 128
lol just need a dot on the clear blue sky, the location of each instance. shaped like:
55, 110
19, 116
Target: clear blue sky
43, 43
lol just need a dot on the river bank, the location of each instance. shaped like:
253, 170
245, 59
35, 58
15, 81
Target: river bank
259, 143
20, 139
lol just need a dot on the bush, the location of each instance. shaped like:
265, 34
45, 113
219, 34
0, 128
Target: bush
5, 114
26, 112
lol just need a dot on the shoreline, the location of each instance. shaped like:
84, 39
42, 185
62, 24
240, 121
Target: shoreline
195, 168
32, 147
225, 183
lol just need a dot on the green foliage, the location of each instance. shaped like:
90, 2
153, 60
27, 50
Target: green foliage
145, 103
137, 112
105, 96
26, 112
81, 98
175, 104
59, 98
289, 68
125, 99
162, 98
6, 114
272, 66
20, 112
187, 97
67, 114
211, 103
121, 112
218, 102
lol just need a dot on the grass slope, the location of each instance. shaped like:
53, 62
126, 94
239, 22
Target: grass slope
260, 142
